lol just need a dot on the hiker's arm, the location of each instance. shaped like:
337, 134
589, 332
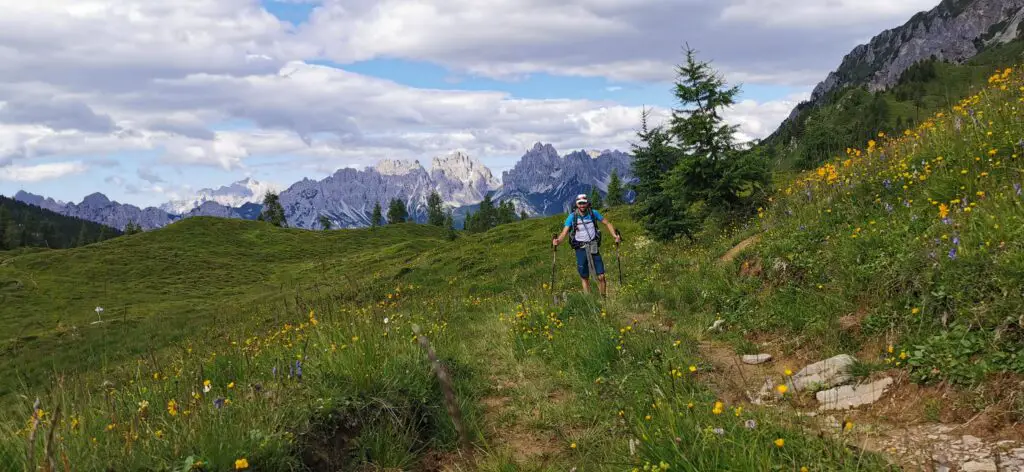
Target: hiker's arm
611, 228
565, 231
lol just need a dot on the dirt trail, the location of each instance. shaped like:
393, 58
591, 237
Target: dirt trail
896, 426
518, 418
731, 254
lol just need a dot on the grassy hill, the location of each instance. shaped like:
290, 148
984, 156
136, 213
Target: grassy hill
284, 349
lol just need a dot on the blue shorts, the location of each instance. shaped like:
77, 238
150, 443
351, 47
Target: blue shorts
582, 266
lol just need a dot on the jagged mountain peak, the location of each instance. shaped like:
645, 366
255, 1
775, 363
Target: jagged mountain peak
398, 167
954, 30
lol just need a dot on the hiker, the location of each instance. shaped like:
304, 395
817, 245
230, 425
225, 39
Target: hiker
586, 237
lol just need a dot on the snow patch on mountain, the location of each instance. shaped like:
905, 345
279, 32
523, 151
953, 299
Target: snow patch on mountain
237, 194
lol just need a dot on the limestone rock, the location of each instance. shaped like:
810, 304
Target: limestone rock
852, 396
824, 374
986, 465
756, 358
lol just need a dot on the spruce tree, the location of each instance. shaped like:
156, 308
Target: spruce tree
615, 196
435, 212
397, 212
83, 237
325, 222
653, 158
486, 217
449, 225
273, 212
377, 218
4, 218
595, 198
703, 172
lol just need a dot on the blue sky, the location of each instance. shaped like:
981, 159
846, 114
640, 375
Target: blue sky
210, 110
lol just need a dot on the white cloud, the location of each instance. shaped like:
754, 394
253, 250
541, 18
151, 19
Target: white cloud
85, 80
41, 172
814, 14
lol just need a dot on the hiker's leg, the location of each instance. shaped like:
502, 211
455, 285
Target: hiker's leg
581, 267
599, 269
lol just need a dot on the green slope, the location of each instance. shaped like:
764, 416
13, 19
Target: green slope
539, 386
849, 116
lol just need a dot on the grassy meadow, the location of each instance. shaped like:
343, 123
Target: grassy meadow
235, 345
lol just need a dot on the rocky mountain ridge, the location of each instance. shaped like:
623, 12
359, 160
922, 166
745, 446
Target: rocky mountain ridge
541, 183
954, 31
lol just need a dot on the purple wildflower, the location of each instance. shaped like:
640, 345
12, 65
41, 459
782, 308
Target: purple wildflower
952, 253
218, 402
298, 369
887, 183
1016, 188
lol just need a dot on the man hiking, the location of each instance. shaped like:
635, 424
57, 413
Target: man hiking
582, 223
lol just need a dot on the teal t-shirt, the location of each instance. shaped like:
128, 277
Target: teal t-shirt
586, 226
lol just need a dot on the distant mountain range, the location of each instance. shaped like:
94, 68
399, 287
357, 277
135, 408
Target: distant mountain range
541, 183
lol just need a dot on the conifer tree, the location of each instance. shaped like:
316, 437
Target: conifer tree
615, 196
397, 212
273, 212
694, 169
595, 198
377, 218
435, 213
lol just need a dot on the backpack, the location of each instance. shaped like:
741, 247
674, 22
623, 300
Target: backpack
572, 230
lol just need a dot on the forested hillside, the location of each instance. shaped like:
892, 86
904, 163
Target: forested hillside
24, 225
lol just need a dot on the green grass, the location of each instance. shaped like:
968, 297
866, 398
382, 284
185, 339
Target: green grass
238, 303
233, 302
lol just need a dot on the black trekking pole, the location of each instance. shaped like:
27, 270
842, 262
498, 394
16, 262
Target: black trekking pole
617, 260
554, 260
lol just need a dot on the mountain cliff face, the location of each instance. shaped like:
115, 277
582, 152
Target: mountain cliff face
98, 208
544, 183
347, 197
953, 31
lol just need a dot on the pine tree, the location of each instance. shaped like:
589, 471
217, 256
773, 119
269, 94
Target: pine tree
486, 217
698, 127
449, 225
397, 212
325, 222
273, 212
523, 215
132, 228
377, 218
653, 158
4, 218
615, 196
707, 174
83, 237
435, 213
595, 198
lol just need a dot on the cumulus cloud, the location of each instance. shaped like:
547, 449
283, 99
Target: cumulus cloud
148, 175
625, 39
85, 80
40, 172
